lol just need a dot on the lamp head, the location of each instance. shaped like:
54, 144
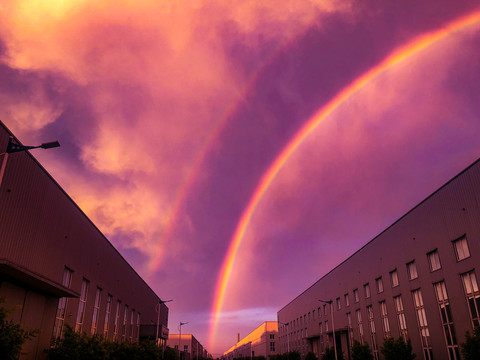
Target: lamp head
49, 145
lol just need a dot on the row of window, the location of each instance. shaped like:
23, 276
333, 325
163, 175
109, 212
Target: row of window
461, 252
120, 327
185, 348
472, 294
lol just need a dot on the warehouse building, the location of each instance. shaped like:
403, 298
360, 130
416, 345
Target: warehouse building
416, 280
188, 347
57, 268
260, 342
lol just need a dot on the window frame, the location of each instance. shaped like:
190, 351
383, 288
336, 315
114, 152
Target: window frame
394, 280
379, 285
434, 254
412, 271
463, 240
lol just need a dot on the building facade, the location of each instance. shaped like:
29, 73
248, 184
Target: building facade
57, 268
416, 280
188, 346
260, 342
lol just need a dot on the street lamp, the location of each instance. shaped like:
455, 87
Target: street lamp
330, 302
157, 309
13, 148
288, 341
180, 337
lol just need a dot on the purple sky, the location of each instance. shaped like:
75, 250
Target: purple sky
169, 112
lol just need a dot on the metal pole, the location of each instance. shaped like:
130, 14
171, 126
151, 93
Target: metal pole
157, 308
12, 147
179, 338
333, 329
330, 302
158, 322
288, 339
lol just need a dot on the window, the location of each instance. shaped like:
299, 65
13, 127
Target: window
313, 314
138, 326
326, 325
394, 278
412, 270
62, 305
321, 335
325, 310
339, 306
470, 287
350, 329
434, 260
108, 309
347, 300
132, 328
319, 313
373, 337
185, 348
402, 323
386, 324
124, 323
447, 322
422, 324
117, 316
366, 287
379, 284
356, 298
81, 306
360, 325
272, 347
96, 309
176, 347
461, 248
309, 317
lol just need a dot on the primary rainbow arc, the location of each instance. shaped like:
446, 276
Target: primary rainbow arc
397, 56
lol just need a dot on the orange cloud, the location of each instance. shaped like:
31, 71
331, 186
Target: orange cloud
158, 75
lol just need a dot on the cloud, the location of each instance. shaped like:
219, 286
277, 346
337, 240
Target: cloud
155, 76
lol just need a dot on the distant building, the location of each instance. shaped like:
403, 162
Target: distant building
57, 268
188, 346
416, 280
260, 342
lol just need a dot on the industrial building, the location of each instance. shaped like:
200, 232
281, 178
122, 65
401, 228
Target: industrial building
260, 342
57, 268
188, 346
416, 280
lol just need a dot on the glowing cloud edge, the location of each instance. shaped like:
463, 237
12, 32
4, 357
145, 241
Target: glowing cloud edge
397, 56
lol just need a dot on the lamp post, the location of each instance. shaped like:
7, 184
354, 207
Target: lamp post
330, 302
288, 341
157, 309
180, 336
13, 148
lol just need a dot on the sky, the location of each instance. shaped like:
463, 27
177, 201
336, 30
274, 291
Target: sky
235, 152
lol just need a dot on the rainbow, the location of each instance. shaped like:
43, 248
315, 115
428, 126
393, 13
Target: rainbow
397, 56
188, 181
